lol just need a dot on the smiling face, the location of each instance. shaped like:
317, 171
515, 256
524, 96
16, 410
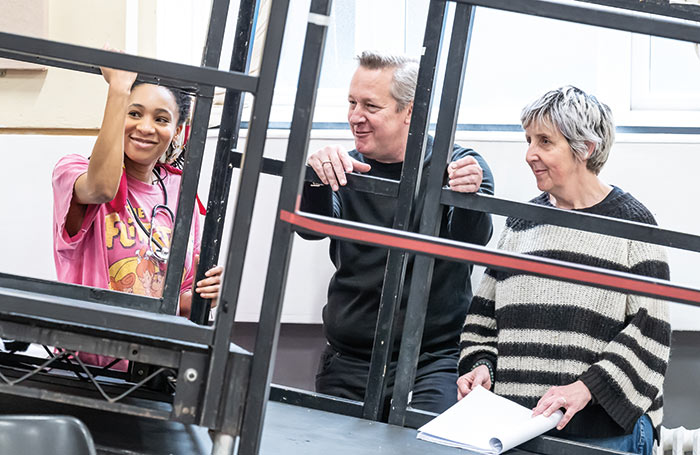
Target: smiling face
380, 131
550, 157
151, 124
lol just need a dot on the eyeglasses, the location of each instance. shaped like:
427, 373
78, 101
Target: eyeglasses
161, 215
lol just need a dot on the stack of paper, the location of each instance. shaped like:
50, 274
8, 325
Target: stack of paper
486, 423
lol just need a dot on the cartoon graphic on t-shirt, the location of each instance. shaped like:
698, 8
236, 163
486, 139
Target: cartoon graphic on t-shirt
149, 272
159, 282
137, 275
122, 276
134, 268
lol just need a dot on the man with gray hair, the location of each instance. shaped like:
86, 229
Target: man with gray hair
380, 104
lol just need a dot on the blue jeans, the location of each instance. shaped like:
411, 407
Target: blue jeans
640, 441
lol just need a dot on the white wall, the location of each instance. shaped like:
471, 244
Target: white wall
660, 171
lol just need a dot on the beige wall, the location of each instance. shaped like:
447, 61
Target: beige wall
58, 98
28, 17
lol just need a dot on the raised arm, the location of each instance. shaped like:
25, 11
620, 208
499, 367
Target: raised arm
101, 181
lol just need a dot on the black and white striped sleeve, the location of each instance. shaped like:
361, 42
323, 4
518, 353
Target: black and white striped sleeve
628, 378
479, 336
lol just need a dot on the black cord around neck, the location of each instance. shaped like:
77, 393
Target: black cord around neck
156, 171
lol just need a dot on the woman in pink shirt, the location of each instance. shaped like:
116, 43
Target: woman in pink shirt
113, 212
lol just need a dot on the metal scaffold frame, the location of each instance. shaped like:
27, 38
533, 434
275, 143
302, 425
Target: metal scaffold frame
210, 375
224, 388
400, 243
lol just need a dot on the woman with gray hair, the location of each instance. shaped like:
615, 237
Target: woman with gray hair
599, 355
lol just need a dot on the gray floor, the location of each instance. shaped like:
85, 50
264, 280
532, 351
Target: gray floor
288, 430
295, 430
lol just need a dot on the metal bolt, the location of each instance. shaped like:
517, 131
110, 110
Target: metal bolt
191, 375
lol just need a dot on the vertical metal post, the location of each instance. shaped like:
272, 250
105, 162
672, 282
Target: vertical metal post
223, 165
193, 161
431, 218
292, 179
247, 188
410, 182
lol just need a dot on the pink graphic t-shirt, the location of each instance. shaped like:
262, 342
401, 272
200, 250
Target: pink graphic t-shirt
111, 250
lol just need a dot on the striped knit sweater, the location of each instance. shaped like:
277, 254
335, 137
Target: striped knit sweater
539, 332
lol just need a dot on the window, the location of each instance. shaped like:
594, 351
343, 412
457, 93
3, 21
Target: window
513, 58
665, 82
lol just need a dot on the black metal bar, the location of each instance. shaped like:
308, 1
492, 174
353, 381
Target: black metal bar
75, 400
190, 385
416, 418
161, 353
74, 291
356, 182
498, 206
361, 183
548, 444
629, 22
576, 220
392, 288
94, 69
61, 54
282, 238
223, 168
92, 317
40, 60
233, 402
658, 7
502, 260
240, 231
312, 400
193, 162
421, 277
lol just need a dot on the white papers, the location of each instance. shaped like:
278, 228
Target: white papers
486, 423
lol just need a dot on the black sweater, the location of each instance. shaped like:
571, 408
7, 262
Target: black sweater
354, 291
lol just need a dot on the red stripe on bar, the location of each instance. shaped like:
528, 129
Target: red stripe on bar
421, 246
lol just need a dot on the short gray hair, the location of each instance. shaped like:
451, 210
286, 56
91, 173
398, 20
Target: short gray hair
580, 118
403, 84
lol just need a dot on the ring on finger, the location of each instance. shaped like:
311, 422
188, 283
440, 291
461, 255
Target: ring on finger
563, 401
326, 162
